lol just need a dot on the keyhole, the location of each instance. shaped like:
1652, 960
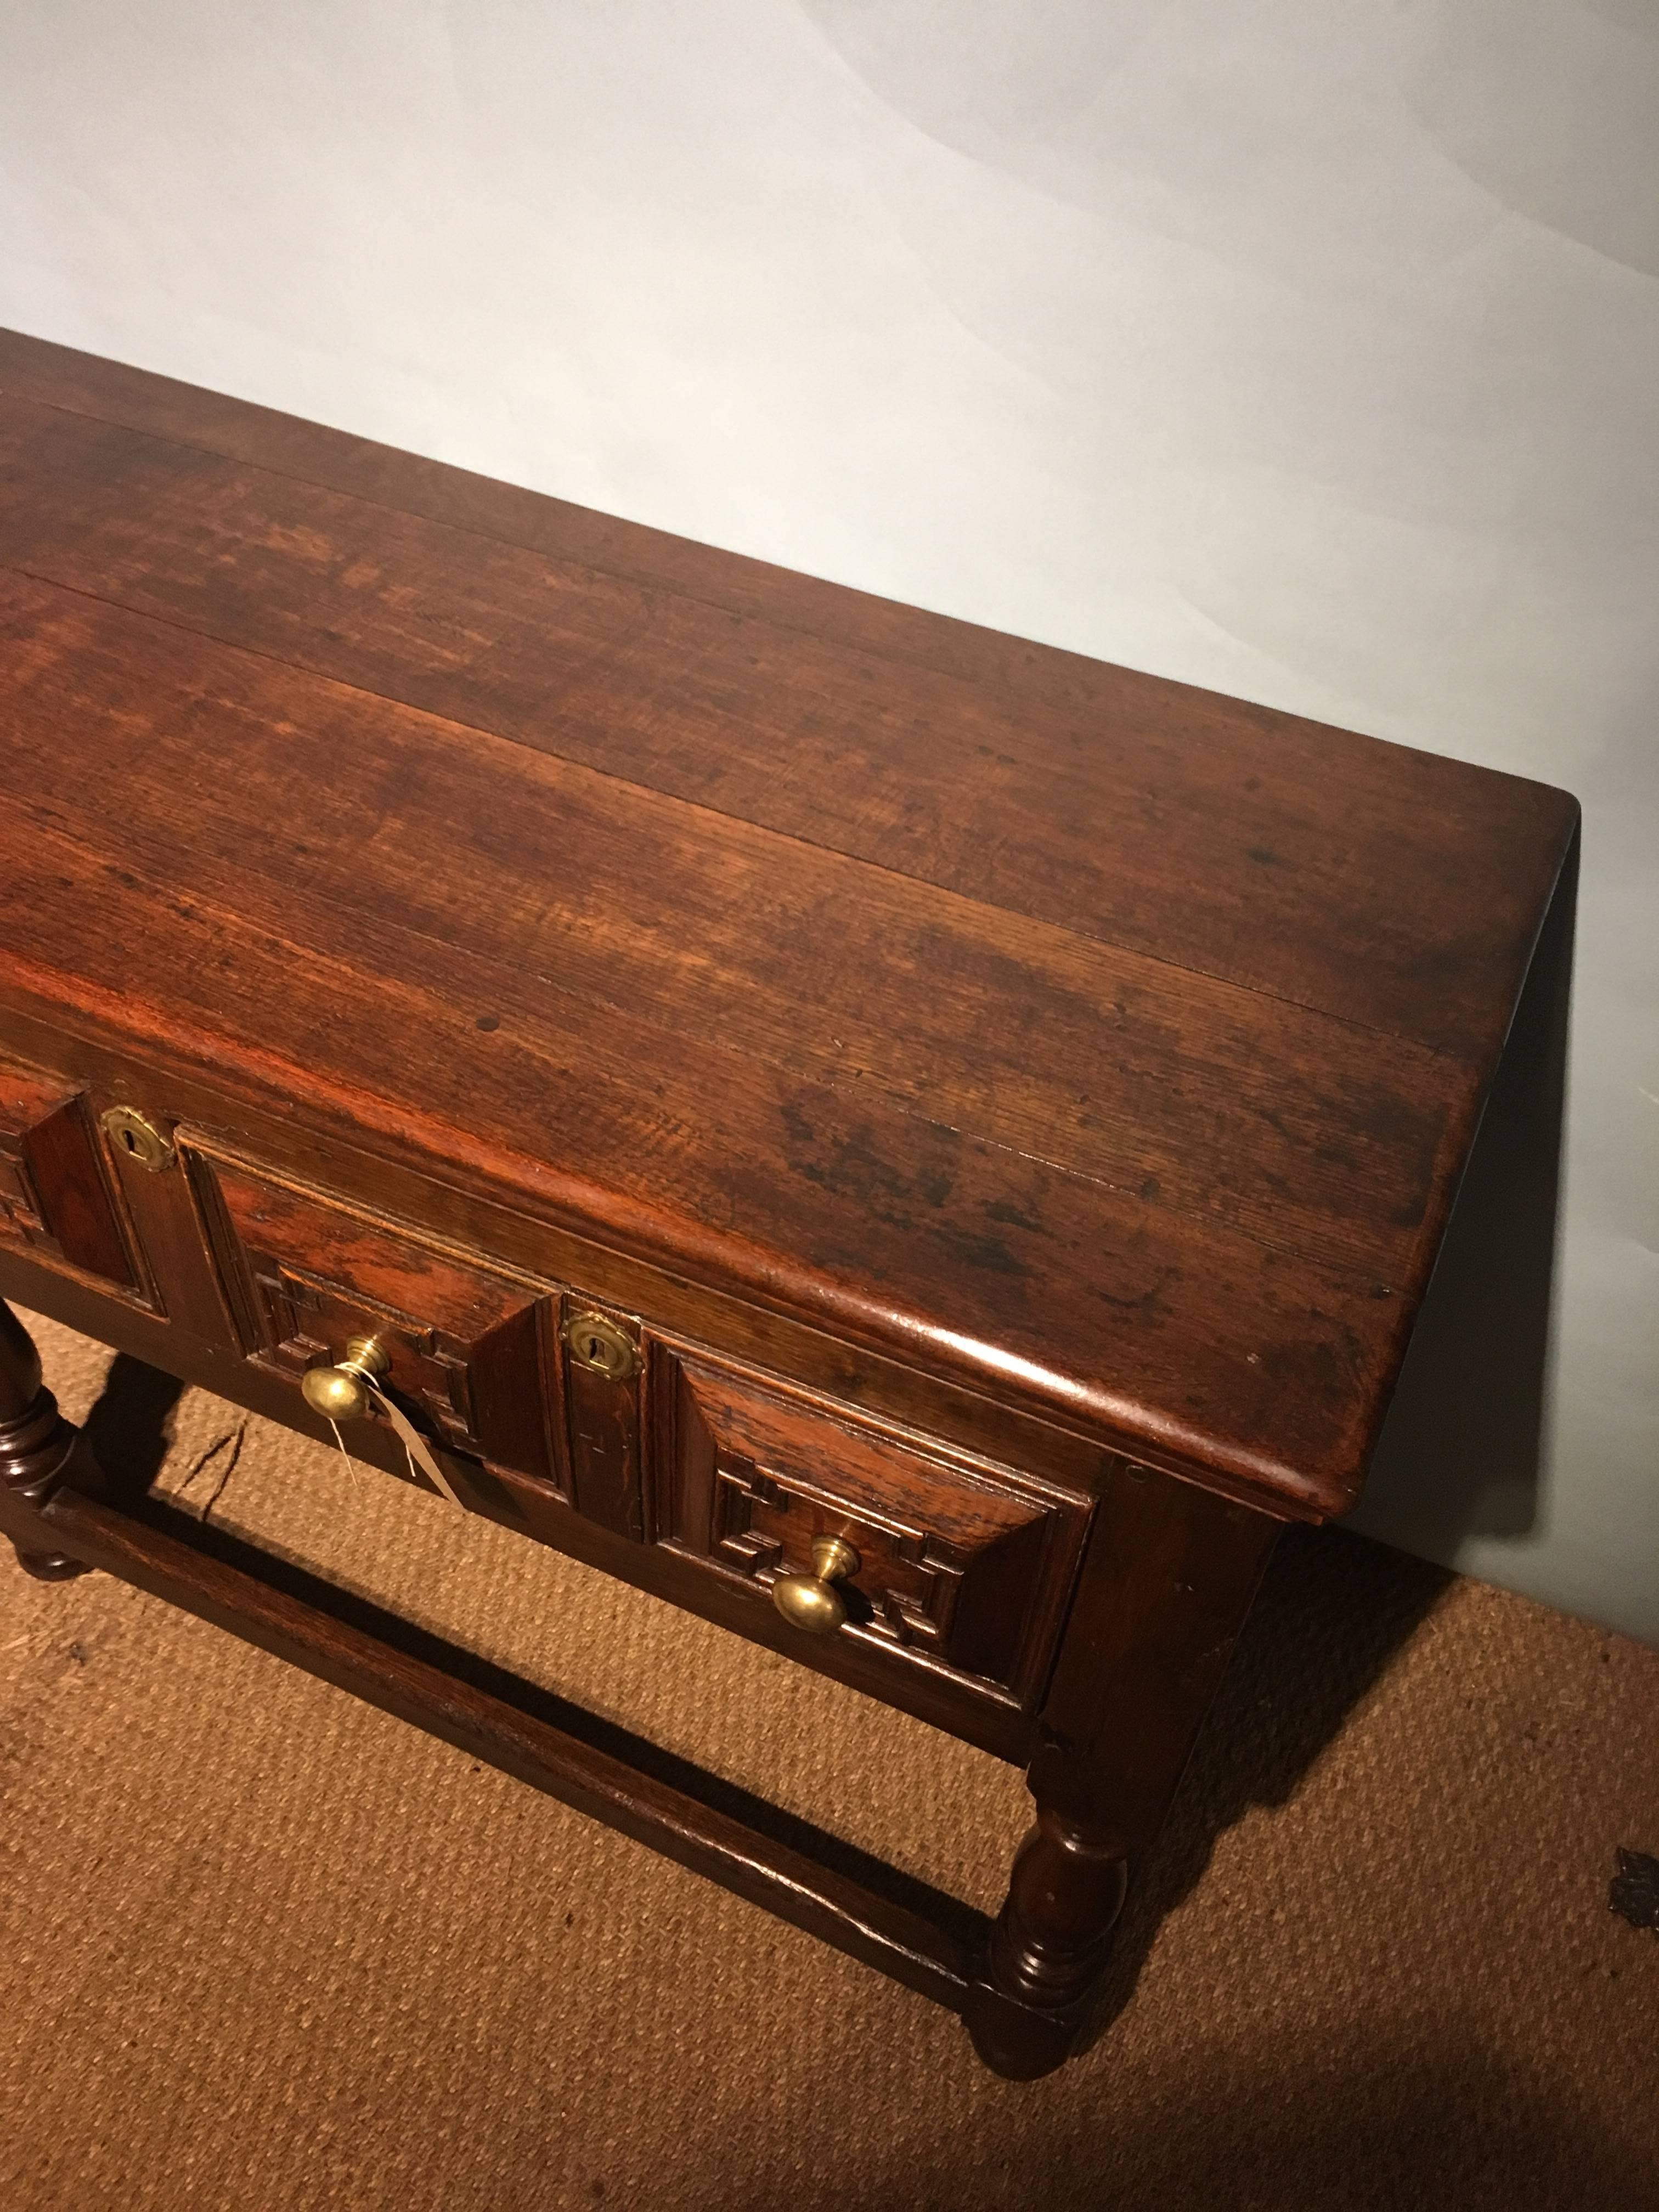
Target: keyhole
135, 1136
600, 1348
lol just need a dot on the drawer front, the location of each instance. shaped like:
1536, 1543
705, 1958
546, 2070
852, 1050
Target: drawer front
726, 1475
488, 1363
54, 1195
963, 1569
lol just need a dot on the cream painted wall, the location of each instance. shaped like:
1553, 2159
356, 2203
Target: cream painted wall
1309, 352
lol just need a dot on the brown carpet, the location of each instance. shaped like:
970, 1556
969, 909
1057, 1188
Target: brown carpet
267, 1948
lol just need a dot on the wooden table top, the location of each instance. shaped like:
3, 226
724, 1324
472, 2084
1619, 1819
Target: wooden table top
1112, 1045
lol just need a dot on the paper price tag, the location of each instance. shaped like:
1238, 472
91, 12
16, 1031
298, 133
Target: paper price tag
419, 1453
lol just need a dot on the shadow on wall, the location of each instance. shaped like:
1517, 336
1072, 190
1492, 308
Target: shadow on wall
1460, 1452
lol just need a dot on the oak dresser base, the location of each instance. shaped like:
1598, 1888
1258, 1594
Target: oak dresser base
921, 1149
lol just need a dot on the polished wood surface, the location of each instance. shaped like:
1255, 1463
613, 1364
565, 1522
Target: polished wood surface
1112, 1046
962, 1570
52, 1192
767, 1073
918, 736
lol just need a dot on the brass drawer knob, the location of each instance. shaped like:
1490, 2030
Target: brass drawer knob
812, 1602
342, 1393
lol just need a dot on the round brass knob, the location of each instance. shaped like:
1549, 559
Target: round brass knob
812, 1602
342, 1393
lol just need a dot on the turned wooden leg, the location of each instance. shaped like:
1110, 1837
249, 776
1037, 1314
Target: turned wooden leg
40, 1450
1065, 1894
1169, 1579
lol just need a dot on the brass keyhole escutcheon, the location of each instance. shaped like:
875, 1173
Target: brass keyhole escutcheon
139, 1139
595, 1342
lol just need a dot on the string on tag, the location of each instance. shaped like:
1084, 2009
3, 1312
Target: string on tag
351, 1468
417, 1450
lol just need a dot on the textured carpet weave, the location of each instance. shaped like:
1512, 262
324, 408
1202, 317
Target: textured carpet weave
266, 1949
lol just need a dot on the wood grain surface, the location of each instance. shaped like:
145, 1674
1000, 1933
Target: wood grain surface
1112, 1045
